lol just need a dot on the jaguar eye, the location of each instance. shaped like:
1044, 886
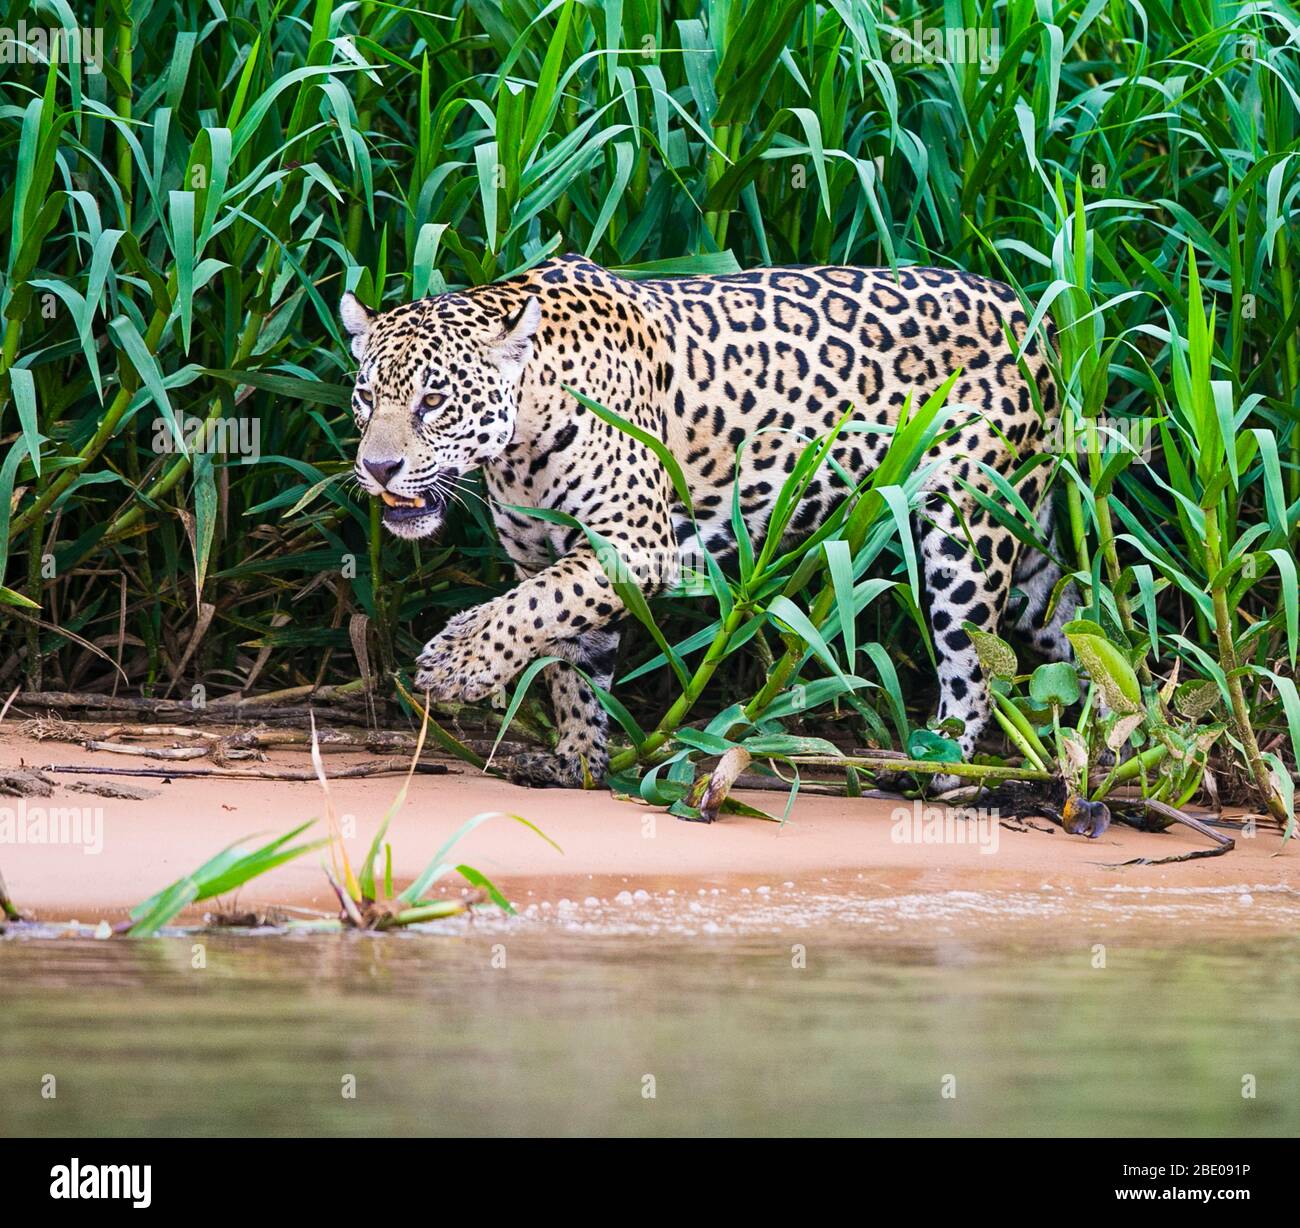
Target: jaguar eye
366, 397
431, 401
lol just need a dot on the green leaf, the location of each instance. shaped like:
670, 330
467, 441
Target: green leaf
1107, 666
932, 747
1054, 685
996, 657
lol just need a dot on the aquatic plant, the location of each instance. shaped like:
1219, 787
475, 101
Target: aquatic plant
364, 904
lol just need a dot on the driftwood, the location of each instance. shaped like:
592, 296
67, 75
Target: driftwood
160, 731
380, 741
382, 767
294, 707
216, 712
92, 701
148, 752
1224, 844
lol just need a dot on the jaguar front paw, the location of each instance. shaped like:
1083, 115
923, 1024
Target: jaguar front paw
459, 663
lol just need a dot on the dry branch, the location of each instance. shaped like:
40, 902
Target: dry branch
149, 752
384, 767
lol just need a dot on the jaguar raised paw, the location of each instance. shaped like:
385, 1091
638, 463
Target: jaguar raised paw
462, 662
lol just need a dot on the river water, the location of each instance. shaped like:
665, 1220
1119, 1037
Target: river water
538, 1031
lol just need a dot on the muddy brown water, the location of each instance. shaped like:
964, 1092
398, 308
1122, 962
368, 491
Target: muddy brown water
532, 1030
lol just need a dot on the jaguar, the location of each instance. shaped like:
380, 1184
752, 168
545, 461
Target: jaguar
734, 373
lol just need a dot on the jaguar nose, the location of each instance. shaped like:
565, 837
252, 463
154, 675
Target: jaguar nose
384, 471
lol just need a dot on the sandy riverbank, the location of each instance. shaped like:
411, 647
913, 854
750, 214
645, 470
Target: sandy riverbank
835, 859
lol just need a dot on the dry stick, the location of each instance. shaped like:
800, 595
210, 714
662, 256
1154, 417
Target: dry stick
328, 739
149, 752
121, 703
345, 694
350, 909
178, 712
1225, 844
273, 706
385, 767
348, 691
160, 731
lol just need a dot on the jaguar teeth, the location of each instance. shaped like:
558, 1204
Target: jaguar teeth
401, 500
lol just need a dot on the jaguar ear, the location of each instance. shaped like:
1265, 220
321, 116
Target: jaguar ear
514, 346
357, 320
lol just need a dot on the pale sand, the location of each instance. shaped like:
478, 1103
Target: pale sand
834, 859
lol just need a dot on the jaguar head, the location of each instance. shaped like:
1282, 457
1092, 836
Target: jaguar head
436, 396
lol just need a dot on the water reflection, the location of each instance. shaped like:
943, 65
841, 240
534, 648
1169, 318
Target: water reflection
540, 1033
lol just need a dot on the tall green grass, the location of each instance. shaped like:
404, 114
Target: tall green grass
176, 229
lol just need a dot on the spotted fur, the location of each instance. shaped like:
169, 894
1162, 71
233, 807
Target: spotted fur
755, 363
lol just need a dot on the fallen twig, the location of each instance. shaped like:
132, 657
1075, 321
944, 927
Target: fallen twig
345, 900
1224, 844
160, 731
385, 767
149, 752
261, 738
341, 705
344, 709
348, 692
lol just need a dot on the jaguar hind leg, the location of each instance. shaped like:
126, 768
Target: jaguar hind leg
1037, 576
963, 588
581, 754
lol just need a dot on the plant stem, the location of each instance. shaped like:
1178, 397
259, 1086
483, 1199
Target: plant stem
675, 715
883, 763
102, 436
1228, 663
125, 161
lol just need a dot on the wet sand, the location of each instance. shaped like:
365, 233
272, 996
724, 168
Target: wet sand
834, 861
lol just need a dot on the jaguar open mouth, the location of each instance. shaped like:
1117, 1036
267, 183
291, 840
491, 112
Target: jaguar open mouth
401, 508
